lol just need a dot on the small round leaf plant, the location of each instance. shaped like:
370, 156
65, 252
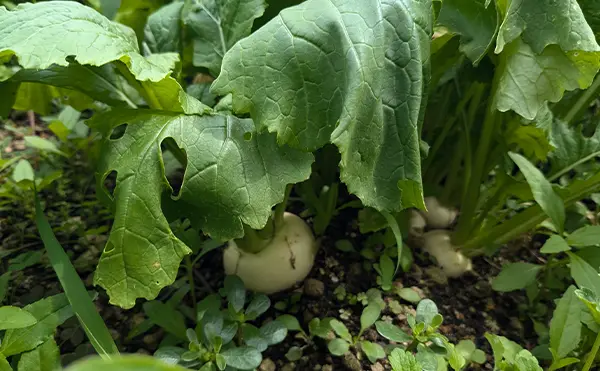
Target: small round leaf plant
353, 74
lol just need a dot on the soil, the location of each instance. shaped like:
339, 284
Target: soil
469, 306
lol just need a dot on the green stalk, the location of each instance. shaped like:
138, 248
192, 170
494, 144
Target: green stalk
280, 208
527, 219
583, 102
190, 277
471, 197
592, 355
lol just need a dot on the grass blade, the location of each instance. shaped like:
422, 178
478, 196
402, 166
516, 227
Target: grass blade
75, 290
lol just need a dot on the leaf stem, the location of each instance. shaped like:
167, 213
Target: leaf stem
190, 273
592, 355
280, 208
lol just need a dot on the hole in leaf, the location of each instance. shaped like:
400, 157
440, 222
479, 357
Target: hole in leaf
109, 248
110, 183
247, 135
118, 132
175, 163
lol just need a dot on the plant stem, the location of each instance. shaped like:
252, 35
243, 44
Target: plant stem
527, 219
252, 242
280, 208
471, 196
190, 274
583, 101
592, 355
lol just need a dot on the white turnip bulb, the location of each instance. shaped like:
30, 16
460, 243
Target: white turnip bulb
286, 260
438, 215
438, 244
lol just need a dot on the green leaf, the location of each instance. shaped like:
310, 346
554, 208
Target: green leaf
369, 316
216, 25
466, 348
235, 292
426, 310
565, 326
528, 80
478, 356
23, 171
42, 144
584, 274
135, 13
14, 317
545, 22
162, 33
290, 322
571, 148
124, 363
392, 332
338, 347
474, 21
351, 73
221, 362
373, 351
46, 357
592, 302
409, 295
4, 365
259, 304
294, 354
166, 317
554, 245
25, 260
44, 34
525, 361
100, 83
542, 190
233, 177
588, 235
503, 348
515, 276
50, 313
563, 363
401, 360
273, 332
75, 291
244, 358
253, 338
341, 330
39, 97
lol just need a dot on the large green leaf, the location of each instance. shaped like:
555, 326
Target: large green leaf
4, 365
565, 326
46, 34
46, 357
476, 23
217, 25
233, 177
351, 73
135, 13
50, 313
528, 80
100, 83
546, 22
572, 148
162, 33
124, 363
542, 190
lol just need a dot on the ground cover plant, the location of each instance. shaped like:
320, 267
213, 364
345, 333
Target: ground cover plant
351, 141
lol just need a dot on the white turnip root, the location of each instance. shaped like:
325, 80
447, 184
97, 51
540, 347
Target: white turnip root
438, 244
286, 259
437, 215
417, 223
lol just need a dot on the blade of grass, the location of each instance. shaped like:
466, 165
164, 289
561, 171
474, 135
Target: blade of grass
75, 290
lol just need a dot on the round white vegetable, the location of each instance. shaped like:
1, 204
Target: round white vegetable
437, 215
453, 262
417, 223
286, 260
